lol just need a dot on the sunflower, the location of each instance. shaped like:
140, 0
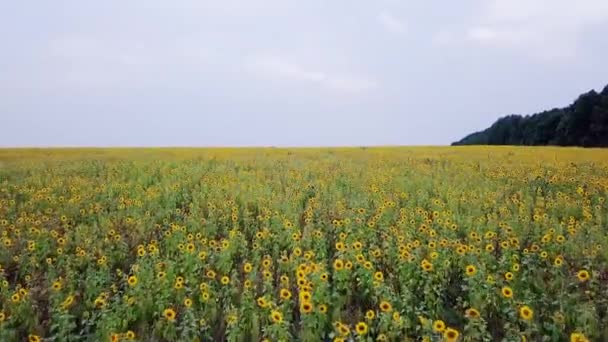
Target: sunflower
426, 265
16, 297
370, 314
130, 335
509, 276
324, 276
305, 296
578, 337
343, 329
33, 338
132, 280
169, 314
361, 328
100, 302
507, 292
323, 308
2, 316
285, 294
338, 264
472, 313
225, 280
558, 261
262, 302
471, 270
276, 317
247, 267
583, 275
57, 285
526, 313
386, 306
450, 335
306, 307
188, 302
438, 326
69, 300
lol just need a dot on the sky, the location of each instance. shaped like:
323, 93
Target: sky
288, 73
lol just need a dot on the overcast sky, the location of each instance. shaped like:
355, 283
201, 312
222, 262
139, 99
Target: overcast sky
285, 73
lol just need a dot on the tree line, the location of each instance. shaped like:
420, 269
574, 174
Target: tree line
583, 123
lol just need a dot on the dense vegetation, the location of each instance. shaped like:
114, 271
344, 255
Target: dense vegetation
583, 123
378, 244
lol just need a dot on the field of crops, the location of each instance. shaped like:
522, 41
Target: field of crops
363, 244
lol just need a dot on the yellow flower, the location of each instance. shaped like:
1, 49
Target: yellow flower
385, 306
187, 302
507, 292
57, 285
426, 265
450, 335
361, 328
583, 275
262, 302
132, 280
370, 314
578, 337
438, 326
472, 313
276, 316
526, 313
169, 314
15, 298
69, 300
306, 307
471, 270
130, 335
285, 294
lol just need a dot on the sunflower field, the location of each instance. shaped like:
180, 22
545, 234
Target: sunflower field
341, 244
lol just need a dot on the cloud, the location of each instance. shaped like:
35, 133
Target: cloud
444, 37
272, 66
94, 61
391, 23
549, 29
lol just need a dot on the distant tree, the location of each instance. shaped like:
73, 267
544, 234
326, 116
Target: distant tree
583, 123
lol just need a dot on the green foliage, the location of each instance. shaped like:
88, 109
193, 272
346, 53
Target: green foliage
584, 123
